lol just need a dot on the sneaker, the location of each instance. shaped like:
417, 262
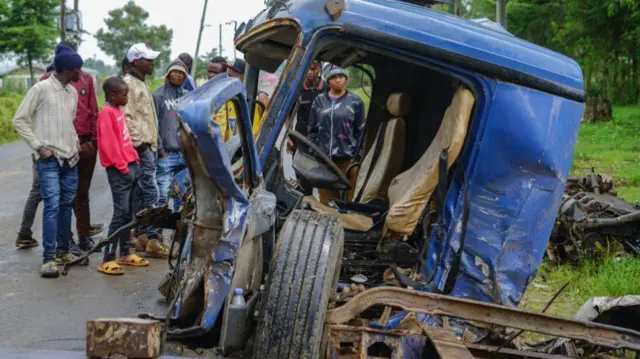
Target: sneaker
93, 231
23, 242
65, 258
155, 249
141, 243
49, 270
74, 249
86, 243
96, 226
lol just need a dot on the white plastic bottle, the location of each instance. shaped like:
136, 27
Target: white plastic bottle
238, 298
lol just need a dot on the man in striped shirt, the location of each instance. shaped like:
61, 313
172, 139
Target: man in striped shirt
45, 121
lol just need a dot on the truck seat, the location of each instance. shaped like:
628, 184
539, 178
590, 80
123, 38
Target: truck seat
383, 160
410, 190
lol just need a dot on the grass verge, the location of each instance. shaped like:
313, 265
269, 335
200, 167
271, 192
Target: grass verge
9, 103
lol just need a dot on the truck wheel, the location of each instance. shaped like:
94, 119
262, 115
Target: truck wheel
304, 274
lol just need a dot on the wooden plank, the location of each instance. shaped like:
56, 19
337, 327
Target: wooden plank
128, 337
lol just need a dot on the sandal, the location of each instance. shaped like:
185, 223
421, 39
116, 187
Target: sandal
111, 268
133, 260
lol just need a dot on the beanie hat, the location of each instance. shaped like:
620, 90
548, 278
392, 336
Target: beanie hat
176, 65
333, 70
66, 59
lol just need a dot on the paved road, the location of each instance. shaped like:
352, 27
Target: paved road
52, 313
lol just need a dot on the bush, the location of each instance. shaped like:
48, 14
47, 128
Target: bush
9, 103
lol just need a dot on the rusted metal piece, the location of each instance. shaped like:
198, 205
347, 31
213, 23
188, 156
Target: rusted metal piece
348, 342
446, 344
490, 352
265, 30
335, 8
435, 304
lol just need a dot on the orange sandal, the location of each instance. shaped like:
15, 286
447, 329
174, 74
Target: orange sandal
111, 268
133, 260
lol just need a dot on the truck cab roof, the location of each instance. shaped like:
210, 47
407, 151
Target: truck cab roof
455, 39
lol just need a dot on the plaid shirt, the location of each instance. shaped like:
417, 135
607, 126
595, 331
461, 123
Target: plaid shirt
45, 119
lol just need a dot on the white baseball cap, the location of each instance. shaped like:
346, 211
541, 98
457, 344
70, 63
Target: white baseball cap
141, 51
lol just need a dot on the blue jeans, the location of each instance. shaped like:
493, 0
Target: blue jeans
166, 169
146, 192
58, 186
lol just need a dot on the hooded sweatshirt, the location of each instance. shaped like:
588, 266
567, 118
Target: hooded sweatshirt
166, 100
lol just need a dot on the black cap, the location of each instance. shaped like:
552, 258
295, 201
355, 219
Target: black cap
218, 60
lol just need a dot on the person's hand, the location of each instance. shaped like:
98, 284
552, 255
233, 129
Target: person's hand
291, 146
44, 153
163, 154
86, 147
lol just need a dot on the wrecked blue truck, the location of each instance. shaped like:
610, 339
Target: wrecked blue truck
469, 140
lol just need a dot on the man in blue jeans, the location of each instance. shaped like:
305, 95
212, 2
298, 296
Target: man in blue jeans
45, 121
170, 160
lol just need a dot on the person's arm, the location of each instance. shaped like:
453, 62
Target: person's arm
93, 108
157, 102
130, 113
23, 119
110, 141
312, 126
360, 119
263, 98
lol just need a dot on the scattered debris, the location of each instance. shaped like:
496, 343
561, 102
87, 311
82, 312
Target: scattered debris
592, 218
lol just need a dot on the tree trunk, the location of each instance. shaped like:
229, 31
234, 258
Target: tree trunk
30, 61
597, 108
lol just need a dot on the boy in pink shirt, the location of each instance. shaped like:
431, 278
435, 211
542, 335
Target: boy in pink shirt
121, 161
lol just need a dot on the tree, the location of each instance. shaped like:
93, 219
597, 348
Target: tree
127, 26
100, 66
27, 29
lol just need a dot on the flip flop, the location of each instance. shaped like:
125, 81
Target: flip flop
111, 268
133, 260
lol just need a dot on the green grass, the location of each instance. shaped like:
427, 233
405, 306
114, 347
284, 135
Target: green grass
612, 148
605, 277
9, 103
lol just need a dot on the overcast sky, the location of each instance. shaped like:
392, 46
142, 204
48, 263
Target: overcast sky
183, 16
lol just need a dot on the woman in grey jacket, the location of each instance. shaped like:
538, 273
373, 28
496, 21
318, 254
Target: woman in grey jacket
336, 124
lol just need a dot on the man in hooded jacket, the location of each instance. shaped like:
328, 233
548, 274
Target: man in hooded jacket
166, 100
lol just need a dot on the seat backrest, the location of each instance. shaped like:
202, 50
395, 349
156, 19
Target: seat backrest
374, 177
410, 190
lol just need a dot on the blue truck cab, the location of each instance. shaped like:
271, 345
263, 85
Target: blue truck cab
468, 143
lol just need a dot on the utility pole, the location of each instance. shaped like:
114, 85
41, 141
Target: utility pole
456, 7
63, 22
235, 29
501, 12
220, 40
195, 58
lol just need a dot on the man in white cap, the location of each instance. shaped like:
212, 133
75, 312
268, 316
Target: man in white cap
142, 122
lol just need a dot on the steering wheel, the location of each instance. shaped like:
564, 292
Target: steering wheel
324, 159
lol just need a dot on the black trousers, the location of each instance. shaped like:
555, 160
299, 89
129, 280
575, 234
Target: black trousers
122, 186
